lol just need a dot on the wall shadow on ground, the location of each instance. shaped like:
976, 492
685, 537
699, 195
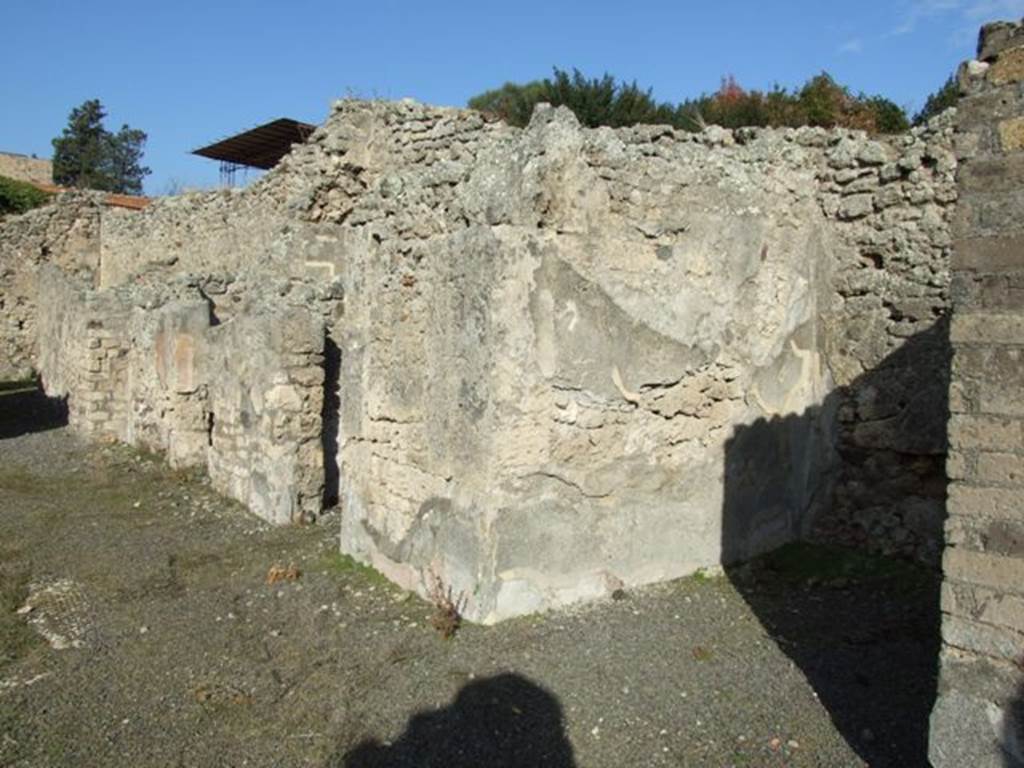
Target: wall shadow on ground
25, 408
863, 629
504, 721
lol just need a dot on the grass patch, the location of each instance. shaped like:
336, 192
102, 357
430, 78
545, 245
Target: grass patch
706, 575
23, 482
339, 564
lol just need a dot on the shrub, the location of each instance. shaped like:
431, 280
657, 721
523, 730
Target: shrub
19, 196
820, 102
512, 103
604, 101
595, 101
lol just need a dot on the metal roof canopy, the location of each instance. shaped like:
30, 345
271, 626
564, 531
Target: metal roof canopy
262, 147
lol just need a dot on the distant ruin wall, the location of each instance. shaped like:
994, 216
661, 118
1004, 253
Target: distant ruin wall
204, 233
978, 718
66, 234
546, 337
34, 170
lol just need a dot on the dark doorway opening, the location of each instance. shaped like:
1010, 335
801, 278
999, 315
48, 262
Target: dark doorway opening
25, 408
330, 420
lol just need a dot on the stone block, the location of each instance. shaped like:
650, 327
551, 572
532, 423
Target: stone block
975, 731
995, 292
1008, 67
988, 501
999, 37
987, 328
1011, 134
1002, 397
970, 363
282, 397
996, 365
993, 433
961, 399
988, 606
984, 569
1003, 468
978, 112
1002, 173
856, 206
957, 465
993, 253
1002, 537
997, 642
977, 719
990, 213
873, 153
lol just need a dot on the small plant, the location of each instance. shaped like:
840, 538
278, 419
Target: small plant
700, 653
281, 573
447, 615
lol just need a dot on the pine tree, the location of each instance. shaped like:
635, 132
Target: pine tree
88, 156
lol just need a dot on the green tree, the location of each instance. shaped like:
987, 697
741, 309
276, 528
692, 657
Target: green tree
126, 160
87, 155
938, 102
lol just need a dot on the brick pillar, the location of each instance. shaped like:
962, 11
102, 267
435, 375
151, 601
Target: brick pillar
977, 720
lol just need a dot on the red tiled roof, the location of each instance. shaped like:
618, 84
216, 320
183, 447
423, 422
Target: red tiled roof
113, 200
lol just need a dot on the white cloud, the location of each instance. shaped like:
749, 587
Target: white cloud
992, 10
965, 15
925, 9
960, 17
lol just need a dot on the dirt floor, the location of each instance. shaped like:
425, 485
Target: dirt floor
138, 627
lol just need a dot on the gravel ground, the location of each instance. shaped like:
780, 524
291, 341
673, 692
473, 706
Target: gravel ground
138, 628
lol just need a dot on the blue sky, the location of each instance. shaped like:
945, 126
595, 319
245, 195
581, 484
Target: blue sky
190, 72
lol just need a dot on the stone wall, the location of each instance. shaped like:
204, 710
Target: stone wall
978, 718
885, 337
65, 233
146, 364
203, 233
623, 300
265, 384
34, 170
547, 337
85, 346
